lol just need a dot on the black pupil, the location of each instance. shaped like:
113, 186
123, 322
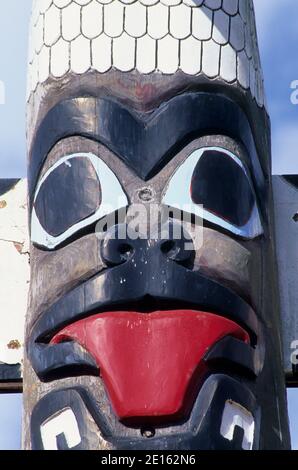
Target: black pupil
70, 194
221, 186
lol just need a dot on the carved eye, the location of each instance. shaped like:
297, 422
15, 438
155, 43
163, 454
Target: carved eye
214, 184
73, 194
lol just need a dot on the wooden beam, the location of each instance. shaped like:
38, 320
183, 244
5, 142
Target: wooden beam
11, 387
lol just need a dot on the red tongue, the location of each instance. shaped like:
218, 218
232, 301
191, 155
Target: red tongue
149, 361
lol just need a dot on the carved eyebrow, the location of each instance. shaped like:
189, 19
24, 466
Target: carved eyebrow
145, 142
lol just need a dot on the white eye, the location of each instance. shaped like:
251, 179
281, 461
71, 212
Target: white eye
75, 193
214, 184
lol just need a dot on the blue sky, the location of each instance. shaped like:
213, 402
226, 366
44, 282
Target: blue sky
278, 37
277, 23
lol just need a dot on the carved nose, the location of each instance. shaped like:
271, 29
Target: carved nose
173, 241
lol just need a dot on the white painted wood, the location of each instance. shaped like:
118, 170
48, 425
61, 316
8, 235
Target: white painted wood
148, 3
44, 63
115, 33
235, 415
62, 3
44, 5
191, 56
180, 21
248, 41
71, 21
128, 2
237, 33
202, 23
35, 12
171, 3
14, 272
80, 55
114, 19
59, 58
285, 196
135, 20
34, 73
102, 53
243, 69
168, 55
193, 3
52, 25
158, 21
259, 91
92, 20
63, 423
124, 53
39, 34
228, 63
252, 79
146, 54
83, 2
210, 61
213, 4
221, 27
231, 6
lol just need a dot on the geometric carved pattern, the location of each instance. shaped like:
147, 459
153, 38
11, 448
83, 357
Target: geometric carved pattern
214, 38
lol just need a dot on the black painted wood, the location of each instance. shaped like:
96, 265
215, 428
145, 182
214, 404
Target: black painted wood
198, 432
69, 194
144, 141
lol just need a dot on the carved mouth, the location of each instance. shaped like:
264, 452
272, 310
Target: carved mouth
60, 346
145, 306
151, 364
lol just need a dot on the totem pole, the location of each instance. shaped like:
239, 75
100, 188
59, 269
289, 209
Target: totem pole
150, 342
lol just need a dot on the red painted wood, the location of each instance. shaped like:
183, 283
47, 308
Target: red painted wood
151, 362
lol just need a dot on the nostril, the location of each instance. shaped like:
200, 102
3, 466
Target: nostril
114, 248
125, 251
177, 250
168, 246
171, 249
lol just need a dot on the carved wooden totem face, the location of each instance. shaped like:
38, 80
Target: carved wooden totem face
147, 334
